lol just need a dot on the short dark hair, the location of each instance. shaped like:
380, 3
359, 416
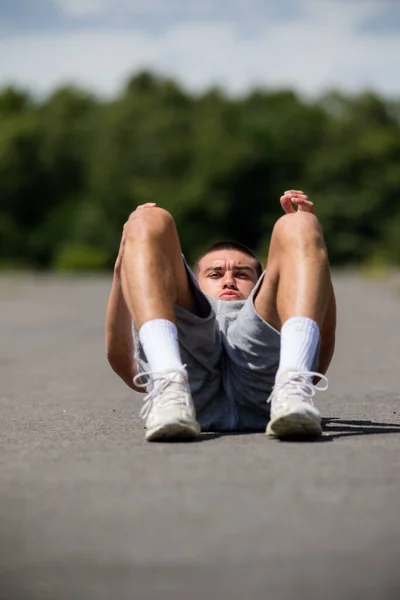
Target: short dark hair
228, 245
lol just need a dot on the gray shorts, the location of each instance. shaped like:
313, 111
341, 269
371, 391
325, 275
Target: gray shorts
232, 356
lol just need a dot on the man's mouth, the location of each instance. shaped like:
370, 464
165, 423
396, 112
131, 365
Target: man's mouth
229, 294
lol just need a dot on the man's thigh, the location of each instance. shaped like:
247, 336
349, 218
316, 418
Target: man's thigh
253, 347
200, 344
201, 348
198, 331
265, 296
186, 286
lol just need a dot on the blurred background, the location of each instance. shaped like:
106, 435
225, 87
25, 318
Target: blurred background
212, 110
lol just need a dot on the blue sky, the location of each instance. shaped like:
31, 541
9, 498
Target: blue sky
308, 45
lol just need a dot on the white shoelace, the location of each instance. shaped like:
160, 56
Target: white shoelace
299, 383
160, 384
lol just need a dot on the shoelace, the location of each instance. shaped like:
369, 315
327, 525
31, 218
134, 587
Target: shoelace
161, 383
299, 383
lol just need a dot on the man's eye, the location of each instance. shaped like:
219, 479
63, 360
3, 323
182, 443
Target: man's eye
214, 275
242, 274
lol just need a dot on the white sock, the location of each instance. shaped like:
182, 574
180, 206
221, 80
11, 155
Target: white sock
159, 339
299, 343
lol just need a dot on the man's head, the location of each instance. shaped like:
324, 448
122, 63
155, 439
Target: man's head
227, 271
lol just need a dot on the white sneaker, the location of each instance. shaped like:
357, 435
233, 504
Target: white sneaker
168, 409
293, 413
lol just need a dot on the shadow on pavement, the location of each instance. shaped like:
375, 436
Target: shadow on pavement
336, 428
333, 428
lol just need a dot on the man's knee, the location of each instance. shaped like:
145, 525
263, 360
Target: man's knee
300, 228
149, 223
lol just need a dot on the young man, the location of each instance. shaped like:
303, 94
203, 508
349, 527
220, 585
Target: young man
225, 348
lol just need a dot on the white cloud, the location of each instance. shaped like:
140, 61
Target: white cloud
310, 55
78, 8
83, 8
93, 60
252, 9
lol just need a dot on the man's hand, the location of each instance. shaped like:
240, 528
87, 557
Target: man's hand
298, 198
118, 262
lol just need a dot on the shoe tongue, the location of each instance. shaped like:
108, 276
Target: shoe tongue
294, 375
285, 375
170, 375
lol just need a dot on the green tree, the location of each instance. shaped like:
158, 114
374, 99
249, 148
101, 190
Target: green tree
73, 167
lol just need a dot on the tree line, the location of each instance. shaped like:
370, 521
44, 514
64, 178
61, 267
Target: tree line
73, 166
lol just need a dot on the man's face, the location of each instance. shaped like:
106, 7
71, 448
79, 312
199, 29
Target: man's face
227, 274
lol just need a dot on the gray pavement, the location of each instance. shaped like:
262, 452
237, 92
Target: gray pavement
89, 511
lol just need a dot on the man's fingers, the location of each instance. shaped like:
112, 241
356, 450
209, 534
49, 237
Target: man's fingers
298, 198
286, 204
147, 205
301, 200
296, 195
303, 204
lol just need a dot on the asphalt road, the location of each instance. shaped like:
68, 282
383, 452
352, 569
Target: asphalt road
89, 511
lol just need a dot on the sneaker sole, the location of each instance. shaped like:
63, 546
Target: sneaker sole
173, 431
295, 425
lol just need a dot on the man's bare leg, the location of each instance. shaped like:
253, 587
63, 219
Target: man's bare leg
154, 281
296, 297
154, 278
297, 282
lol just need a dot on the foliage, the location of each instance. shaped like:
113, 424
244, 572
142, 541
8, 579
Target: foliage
72, 168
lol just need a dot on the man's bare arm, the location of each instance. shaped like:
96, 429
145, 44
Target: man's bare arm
119, 338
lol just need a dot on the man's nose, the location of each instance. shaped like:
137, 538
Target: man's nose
229, 281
